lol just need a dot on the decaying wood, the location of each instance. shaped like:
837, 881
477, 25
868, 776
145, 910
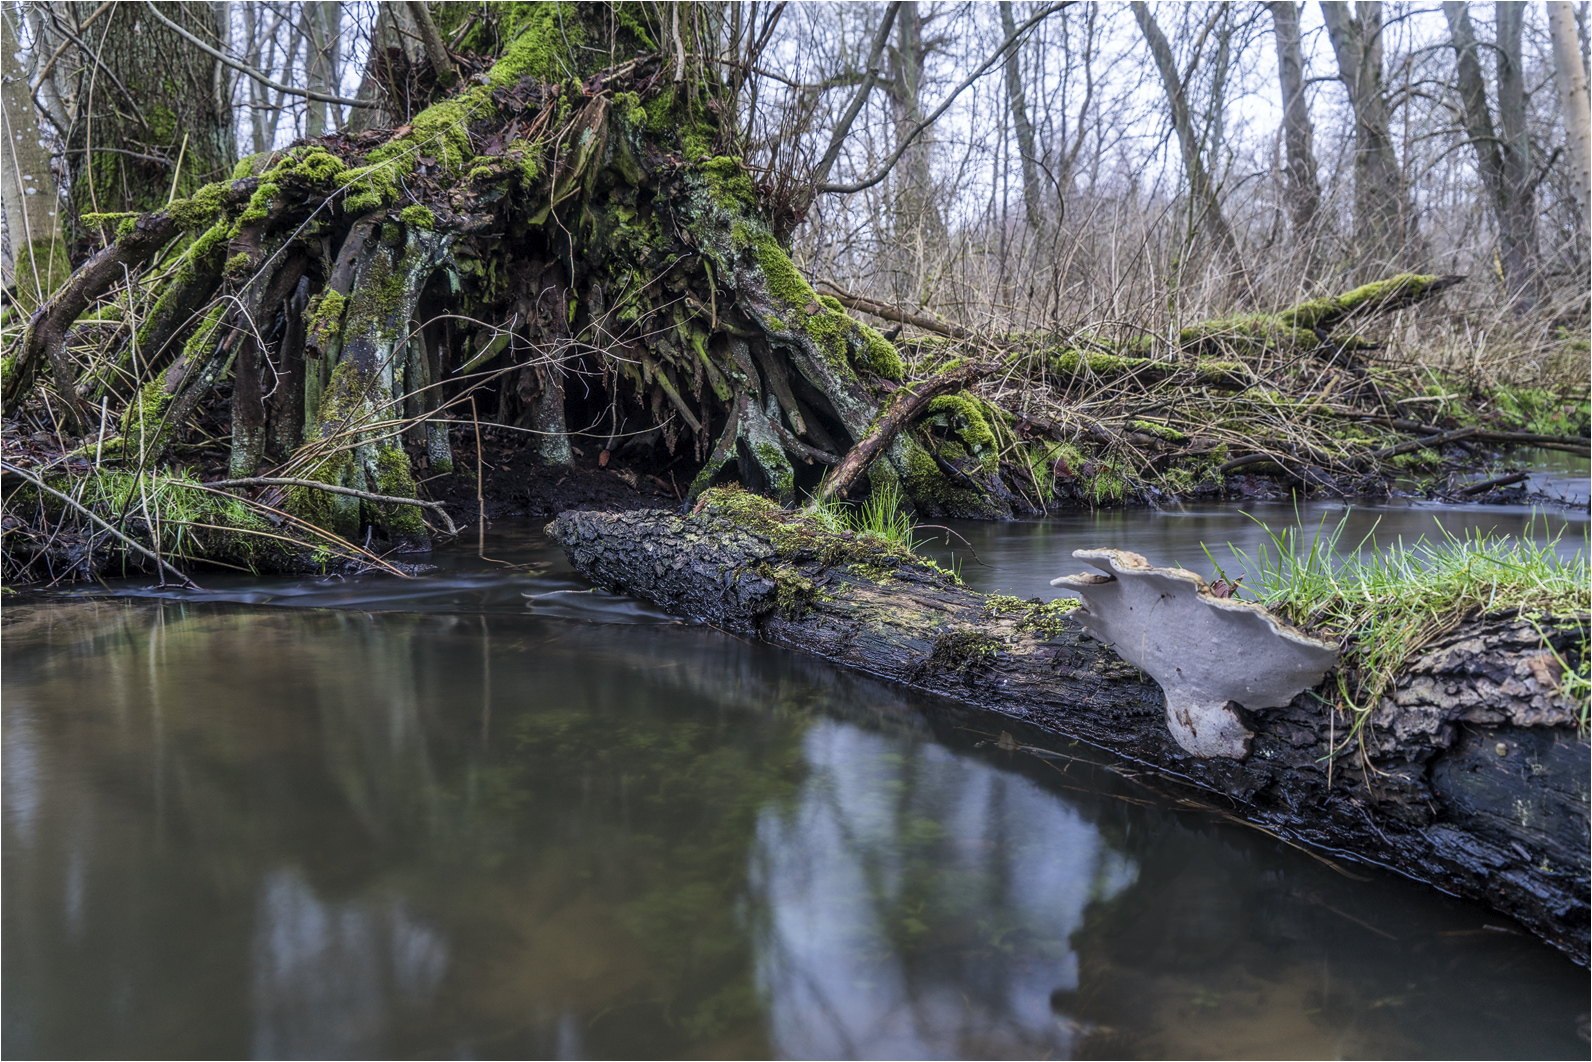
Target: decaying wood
1471, 775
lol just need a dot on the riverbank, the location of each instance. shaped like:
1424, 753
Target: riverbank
1425, 790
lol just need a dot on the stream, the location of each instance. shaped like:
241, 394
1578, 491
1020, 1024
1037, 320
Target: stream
489, 812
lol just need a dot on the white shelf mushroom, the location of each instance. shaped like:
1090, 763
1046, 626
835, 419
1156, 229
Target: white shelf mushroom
1207, 653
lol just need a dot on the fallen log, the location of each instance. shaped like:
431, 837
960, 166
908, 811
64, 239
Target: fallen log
1471, 776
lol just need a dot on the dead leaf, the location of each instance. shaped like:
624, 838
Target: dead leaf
1006, 742
403, 130
1546, 670
602, 459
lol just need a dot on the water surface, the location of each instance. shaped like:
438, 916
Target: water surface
439, 817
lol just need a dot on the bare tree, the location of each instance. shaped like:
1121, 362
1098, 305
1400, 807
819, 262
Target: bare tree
1384, 221
35, 257
1502, 152
1207, 210
1304, 192
1015, 98
1570, 74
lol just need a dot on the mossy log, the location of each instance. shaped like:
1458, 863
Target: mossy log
1472, 774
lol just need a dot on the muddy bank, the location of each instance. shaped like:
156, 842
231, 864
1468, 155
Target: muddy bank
1472, 777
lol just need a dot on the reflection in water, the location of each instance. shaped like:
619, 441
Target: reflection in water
922, 905
326, 975
237, 830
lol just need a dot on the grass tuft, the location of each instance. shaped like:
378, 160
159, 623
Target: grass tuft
1388, 602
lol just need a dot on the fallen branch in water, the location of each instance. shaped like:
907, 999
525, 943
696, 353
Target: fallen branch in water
1475, 719
1493, 484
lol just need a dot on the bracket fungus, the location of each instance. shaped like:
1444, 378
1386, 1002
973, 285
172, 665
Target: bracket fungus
1207, 653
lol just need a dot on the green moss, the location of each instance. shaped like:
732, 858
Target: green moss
1072, 361
327, 511
1047, 619
883, 358
962, 651
314, 165
418, 216
729, 183
541, 46
323, 317
1160, 431
394, 478
41, 267
628, 106
964, 413
238, 264
811, 537
1326, 312
200, 210
143, 421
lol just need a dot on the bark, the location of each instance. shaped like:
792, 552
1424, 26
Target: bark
906, 406
1502, 153
1015, 99
1384, 220
1571, 77
1207, 210
1304, 192
35, 260
1473, 775
917, 224
156, 90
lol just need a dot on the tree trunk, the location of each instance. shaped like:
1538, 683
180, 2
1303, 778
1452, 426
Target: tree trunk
1571, 76
35, 261
152, 88
1207, 209
320, 27
1384, 220
1032, 203
1304, 193
917, 224
1472, 775
1502, 159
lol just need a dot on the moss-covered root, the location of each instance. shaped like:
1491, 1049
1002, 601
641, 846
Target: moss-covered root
750, 438
348, 448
